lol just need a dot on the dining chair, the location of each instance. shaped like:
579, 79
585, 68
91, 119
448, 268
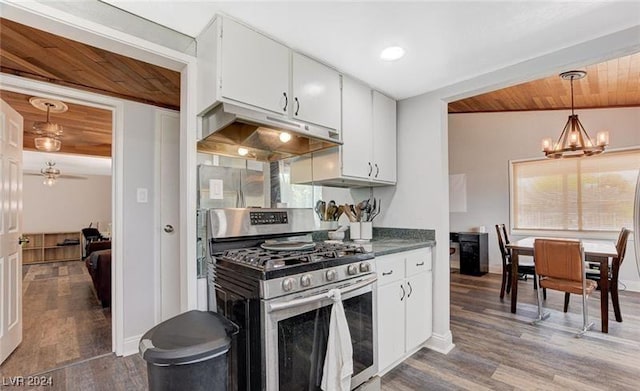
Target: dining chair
524, 267
560, 266
593, 273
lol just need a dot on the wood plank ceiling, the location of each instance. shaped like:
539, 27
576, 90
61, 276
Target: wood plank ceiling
86, 130
615, 83
35, 54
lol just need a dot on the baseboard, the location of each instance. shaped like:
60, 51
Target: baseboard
441, 343
131, 345
631, 286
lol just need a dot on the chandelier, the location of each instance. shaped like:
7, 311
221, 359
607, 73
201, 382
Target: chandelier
50, 174
574, 140
47, 133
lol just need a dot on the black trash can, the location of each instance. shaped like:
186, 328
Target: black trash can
188, 352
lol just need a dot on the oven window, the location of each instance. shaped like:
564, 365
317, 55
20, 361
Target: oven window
302, 343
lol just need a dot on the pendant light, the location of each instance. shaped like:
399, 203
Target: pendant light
48, 134
574, 140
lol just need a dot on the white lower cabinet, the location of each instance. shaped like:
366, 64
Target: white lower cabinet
404, 305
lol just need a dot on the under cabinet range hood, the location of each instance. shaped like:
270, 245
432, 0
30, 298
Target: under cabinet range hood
236, 131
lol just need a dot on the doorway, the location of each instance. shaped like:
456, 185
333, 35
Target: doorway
64, 318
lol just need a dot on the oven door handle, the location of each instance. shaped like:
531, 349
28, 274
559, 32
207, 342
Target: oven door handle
326, 295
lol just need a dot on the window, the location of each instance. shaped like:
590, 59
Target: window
587, 194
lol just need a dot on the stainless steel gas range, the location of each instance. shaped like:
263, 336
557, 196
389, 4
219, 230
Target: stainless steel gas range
270, 279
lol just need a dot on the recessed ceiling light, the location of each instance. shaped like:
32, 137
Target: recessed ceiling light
392, 53
285, 137
243, 151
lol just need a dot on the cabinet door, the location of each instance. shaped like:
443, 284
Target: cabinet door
357, 129
255, 69
384, 138
418, 309
390, 323
316, 92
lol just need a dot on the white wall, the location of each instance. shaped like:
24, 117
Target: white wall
68, 205
481, 145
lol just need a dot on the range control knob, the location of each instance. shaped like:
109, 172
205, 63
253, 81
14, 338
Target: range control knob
331, 275
305, 280
352, 269
287, 284
365, 267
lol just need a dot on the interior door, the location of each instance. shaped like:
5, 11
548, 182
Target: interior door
169, 194
10, 226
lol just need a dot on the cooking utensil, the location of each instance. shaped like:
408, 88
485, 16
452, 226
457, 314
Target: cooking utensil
330, 211
319, 210
350, 212
377, 212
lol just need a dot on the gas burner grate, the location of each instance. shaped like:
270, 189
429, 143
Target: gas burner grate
271, 259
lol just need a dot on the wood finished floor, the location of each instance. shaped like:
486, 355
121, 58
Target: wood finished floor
495, 350
63, 322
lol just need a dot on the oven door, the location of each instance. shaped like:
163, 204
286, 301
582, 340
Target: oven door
297, 328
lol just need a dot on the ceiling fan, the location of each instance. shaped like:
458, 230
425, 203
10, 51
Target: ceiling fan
52, 174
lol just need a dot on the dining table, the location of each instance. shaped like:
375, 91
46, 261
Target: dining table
597, 251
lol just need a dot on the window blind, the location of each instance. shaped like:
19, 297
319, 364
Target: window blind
587, 194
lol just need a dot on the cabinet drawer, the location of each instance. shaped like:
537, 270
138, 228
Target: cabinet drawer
418, 261
390, 268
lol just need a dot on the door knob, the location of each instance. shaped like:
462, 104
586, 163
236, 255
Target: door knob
22, 240
168, 228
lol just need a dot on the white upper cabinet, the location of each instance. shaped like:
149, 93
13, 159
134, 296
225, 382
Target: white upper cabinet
384, 138
367, 156
239, 65
357, 125
316, 92
254, 68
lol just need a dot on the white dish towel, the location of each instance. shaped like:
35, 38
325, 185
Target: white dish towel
338, 362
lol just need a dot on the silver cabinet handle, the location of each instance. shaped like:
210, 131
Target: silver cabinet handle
370, 169
377, 170
387, 273
298, 105
403, 292
168, 228
410, 289
420, 264
286, 101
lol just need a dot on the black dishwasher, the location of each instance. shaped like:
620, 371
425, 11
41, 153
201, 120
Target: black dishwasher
474, 253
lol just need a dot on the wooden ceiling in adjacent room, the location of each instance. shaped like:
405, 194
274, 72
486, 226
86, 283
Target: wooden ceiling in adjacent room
35, 54
86, 130
615, 83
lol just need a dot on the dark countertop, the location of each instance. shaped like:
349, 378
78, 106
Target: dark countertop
392, 240
385, 246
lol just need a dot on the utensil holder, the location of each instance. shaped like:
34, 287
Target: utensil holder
354, 230
366, 230
328, 225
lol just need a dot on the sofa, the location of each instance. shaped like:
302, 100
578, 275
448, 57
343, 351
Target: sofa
98, 263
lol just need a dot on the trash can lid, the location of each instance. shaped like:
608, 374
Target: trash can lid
189, 337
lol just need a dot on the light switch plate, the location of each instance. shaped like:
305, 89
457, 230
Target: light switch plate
216, 189
142, 195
